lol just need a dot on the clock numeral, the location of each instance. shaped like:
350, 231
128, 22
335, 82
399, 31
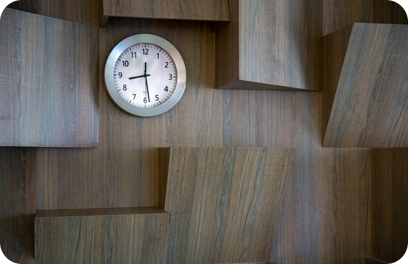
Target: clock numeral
157, 97
158, 55
125, 63
166, 89
120, 75
167, 65
134, 96
145, 51
145, 100
134, 55
124, 87
170, 77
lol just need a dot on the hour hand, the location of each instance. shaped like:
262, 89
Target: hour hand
141, 76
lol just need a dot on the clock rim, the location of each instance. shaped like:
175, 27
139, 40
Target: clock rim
110, 68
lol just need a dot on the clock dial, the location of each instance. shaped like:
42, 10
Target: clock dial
145, 75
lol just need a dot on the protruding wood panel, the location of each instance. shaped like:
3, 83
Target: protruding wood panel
17, 203
390, 204
338, 14
48, 82
108, 236
81, 11
209, 10
370, 107
271, 44
224, 202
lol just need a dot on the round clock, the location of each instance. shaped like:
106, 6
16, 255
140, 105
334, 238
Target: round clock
145, 75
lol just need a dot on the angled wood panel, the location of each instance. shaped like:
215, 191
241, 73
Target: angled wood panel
81, 11
338, 14
390, 204
17, 203
224, 202
210, 10
127, 235
271, 44
370, 107
48, 82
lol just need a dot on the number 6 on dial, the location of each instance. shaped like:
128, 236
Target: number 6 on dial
136, 71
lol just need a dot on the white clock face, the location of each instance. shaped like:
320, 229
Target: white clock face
145, 75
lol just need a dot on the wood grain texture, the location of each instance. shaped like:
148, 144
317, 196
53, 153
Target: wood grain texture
81, 11
48, 82
210, 10
118, 238
342, 13
224, 203
276, 44
390, 203
370, 107
374, 261
17, 203
123, 172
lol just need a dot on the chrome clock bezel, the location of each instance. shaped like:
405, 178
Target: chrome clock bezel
180, 68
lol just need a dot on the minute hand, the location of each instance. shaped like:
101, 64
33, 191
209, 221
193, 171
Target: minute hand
144, 75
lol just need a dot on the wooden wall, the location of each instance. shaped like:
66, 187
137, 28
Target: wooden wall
17, 203
325, 216
390, 203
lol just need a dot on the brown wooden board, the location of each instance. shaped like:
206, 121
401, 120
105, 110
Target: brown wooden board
342, 13
209, 10
17, 203
224, 203
102, 238
370, 106
81, 11
390, 204
271, 44
48, 82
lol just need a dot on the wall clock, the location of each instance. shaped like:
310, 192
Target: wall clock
145, 75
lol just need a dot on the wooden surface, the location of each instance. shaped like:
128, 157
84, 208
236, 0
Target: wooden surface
123, 171
275, 43
324, 217
118, 238
390, 203
224, 203
81, 11
342, 13
369, 109
100, 212
17, 203
374, 261
48, 82
210, 10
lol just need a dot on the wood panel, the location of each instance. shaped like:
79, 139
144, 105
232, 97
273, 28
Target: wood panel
370, 105
48, 82
210, 10
123, 171
224, 203
342, 13
17, 203
271, 45
390, 203
374, 261
81, 11
122, 237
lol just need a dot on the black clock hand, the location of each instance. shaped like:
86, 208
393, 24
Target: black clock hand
139, 76
147, 86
